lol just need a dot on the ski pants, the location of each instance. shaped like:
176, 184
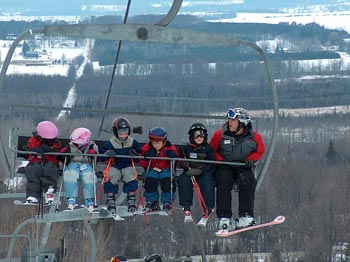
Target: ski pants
72, 173
225, 177
127, 175
206, 184
40, 177
152, 180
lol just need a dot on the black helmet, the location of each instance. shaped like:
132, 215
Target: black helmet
120, 123
197, 127
153, 258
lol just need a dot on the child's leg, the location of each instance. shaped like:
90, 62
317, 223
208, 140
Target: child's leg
70, 178
50, 176
130, 183
206, 183
165, 184
130, 187
111, 186
151, 186
33, 187
87, 178
185, 191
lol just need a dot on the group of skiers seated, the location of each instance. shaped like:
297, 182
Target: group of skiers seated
235, 142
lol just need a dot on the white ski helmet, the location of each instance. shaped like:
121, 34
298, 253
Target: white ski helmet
81, 136
239, 113
47, 130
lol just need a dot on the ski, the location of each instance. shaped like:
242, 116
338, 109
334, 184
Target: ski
156, 212
21, 203
114, 215
225, 233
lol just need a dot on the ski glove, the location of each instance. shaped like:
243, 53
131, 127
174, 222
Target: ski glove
110, 153
194, 172
185, 164
132, 152
250, 163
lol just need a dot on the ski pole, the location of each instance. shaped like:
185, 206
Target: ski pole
105, 176
198, 192
140, 194
199, 195
60, 188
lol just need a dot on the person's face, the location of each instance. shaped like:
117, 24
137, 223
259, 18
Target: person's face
198, 137
233, 125
157, 143
123, 134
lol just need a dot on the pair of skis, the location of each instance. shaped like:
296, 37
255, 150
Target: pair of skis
226, 233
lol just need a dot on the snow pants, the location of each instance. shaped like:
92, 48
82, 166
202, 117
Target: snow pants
72, 173
152, 181
225, 177
127, 175
206, 184
40, 178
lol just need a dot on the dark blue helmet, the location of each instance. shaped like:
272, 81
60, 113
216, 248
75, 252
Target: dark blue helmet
158, 133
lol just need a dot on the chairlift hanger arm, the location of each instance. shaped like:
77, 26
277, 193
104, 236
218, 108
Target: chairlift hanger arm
142, 33
174, 9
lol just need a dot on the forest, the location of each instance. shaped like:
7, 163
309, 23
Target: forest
308, 180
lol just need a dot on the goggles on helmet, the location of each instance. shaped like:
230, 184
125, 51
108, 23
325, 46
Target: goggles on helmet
232, 114
155, 138
198, 133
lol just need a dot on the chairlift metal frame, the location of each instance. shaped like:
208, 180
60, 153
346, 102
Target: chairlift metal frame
157, 33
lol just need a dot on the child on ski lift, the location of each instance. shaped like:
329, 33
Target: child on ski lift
236, 141
80, 166
158, 171
121, 144
197, 149
42, 169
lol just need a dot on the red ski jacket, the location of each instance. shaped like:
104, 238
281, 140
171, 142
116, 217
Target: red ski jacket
254, 155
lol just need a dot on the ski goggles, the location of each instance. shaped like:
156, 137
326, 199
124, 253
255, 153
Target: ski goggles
198, 133
123, 131
232, 114
156, 139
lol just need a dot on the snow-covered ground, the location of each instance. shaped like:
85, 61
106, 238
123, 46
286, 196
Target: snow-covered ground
330, 20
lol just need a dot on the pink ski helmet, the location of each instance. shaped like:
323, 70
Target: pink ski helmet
47, 130
81, 136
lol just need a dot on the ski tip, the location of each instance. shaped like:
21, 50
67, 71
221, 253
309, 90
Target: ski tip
280, 219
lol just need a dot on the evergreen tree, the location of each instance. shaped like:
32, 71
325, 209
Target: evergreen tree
331, 153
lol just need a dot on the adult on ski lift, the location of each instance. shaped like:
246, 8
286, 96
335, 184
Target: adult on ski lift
79, 166
158, 171
197, 149
236, 141
121, 144
42, 169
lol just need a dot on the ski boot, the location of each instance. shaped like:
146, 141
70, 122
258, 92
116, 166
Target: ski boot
50, 195
72, 203
226, 224
90, 204
245, 221
166, 207
110, 201
188, 216
131, 201
203, 221
32, 200
152, 206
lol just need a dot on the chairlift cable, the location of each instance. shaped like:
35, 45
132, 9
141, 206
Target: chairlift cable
114, 69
